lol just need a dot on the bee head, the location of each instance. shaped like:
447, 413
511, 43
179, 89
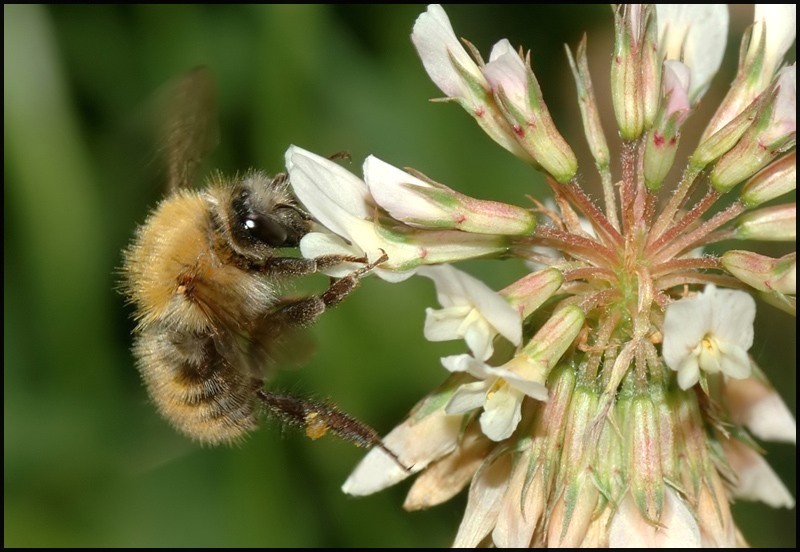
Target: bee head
263, 215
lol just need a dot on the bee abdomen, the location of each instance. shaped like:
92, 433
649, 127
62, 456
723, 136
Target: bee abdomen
199, 391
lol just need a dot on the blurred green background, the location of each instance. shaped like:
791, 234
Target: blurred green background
87, 461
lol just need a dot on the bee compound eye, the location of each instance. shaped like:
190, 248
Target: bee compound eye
265, 229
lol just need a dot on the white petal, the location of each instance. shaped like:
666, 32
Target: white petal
533, 388
700, 32
732, 315
416, 443
484, 502
678, 528
685, 324
688, 372
387, 183
479, 336
329, 191
466, 363
435, 40
502, 412
317, 244
757, 480
445, 324
468, 397
734, 363
507, 71
781, 29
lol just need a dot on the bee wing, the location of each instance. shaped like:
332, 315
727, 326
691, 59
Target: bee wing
189, 131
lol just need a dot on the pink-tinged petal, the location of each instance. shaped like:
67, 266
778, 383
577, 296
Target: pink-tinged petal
507, 71
484, 502
522, 506
436, 43
757, 480
677, 527
502, 412
760, 408
676, 88
784, 118
416, 443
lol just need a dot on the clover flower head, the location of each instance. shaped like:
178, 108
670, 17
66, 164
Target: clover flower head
607, 397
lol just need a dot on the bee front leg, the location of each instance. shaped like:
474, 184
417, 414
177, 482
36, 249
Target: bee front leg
303, 312
298, 266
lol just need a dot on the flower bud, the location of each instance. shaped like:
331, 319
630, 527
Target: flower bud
763, 273
554, 337
778, 223
626, 76
775, 180
662, 139
530, 293
772, 133
763, 49
590, 113
647, 480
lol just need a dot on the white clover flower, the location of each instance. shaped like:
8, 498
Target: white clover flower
456, 74
342, 202
711, 331
498, 391
471, 311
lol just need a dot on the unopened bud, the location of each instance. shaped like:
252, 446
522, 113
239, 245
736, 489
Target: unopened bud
555, 337
775, 180
761, 272
626, 75
530, 292
647, 480
778, 223
590, 113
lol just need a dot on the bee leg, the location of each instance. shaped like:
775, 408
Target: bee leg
319, 418
341, 288
298, 266
303, 312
